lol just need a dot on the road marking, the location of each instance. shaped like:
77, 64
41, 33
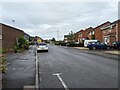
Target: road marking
61, 80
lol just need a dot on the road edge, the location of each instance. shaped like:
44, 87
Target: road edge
118, 56
36, 72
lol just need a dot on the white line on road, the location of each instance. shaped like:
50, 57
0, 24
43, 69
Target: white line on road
61, 80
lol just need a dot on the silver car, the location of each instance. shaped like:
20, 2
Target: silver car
42, 47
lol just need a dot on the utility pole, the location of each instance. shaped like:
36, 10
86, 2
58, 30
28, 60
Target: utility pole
58, 35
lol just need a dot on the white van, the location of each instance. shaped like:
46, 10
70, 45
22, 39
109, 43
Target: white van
87, 41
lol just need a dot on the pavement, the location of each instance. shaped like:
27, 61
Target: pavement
113, 54
69, 68
20, 70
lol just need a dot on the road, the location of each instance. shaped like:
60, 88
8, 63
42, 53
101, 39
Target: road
65, 67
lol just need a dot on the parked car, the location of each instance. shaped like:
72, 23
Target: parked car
42, 47
63, 44
74, 44
87, 41
116, 45
98, 45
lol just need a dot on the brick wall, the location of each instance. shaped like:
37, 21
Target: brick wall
9, 36
79, 36
1, 35
98, 32
118, 30
76, 36
110, 32
87, 31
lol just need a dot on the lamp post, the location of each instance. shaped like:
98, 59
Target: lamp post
13, 22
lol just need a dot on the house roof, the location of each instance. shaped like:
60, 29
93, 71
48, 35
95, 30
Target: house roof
102, 24
110, 25
38, 37
14, 28
116, 21
79, 31
89, 29
11, 27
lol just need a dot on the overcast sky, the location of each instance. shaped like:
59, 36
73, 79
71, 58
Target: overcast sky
45, 18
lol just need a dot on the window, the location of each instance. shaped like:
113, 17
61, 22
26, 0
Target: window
93, 32
110, 29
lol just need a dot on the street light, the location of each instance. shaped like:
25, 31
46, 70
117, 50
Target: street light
13, 22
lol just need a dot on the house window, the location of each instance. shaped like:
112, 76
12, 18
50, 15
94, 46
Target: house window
93, 32
106, 40
110, 29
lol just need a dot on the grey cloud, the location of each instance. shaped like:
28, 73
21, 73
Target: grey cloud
46, 18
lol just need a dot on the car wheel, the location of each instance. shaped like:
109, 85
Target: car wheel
108, 48
119, 48
94, 48
90, 49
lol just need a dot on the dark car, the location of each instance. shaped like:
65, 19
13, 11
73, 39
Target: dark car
116, 45
98, 45
74, 44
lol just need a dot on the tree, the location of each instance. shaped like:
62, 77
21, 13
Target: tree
53, 40
23, 43
71, 36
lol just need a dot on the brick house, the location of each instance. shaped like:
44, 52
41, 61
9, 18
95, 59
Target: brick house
79, 36
110, 33
98, 32
84, 34
10, 36
88, 33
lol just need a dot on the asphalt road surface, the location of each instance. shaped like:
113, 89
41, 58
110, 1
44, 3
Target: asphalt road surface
65, 67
